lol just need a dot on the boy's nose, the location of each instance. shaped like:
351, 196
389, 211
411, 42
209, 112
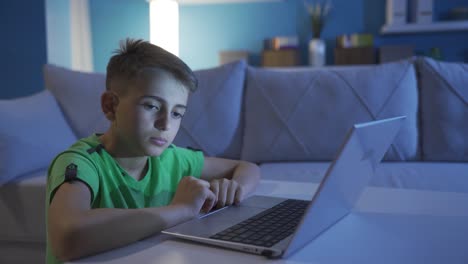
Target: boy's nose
162, 123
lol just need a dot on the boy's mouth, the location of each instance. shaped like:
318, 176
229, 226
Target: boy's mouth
158, 141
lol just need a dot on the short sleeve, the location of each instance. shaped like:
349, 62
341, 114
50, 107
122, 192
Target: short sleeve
191, 161
86, 172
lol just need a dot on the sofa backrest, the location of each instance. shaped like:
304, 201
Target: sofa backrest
213, 121
304, 114
444, 110
300, 114
79, 97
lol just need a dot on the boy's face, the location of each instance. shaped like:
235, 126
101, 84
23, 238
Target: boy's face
148, 116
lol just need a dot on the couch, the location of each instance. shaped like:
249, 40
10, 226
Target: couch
291, 121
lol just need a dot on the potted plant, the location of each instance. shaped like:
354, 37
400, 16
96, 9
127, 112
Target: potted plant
318, 14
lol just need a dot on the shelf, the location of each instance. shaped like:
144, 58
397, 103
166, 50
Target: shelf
423, 28
201, 2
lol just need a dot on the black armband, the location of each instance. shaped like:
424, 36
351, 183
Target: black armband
71, 172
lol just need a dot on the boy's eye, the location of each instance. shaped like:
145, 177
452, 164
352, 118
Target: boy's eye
151, 107
177, 115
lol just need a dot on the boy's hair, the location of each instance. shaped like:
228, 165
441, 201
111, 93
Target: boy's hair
134, 56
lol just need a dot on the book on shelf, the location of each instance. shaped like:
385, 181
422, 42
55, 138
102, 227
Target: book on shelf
354, 40
279, 43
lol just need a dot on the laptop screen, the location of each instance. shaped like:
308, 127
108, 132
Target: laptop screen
346, 178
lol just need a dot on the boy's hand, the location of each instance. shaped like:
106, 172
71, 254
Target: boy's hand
195, 194
227, 192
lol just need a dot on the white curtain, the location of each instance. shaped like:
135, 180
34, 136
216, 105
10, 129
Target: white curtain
81, 47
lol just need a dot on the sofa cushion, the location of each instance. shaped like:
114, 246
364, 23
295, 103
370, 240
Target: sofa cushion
32, 131
431, 176
213, 120
303, 115
22, 207
79, 96
444, 110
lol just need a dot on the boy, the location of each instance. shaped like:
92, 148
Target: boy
113, 189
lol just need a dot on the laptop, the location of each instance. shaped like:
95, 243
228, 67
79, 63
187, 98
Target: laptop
278, 227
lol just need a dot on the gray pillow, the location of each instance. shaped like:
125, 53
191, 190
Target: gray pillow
304, 114
213, 120
32, 132
79, 96
444, 110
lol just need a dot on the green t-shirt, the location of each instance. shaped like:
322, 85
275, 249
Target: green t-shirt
112, 187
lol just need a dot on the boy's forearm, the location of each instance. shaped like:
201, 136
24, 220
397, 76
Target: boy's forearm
247, 175
103, 229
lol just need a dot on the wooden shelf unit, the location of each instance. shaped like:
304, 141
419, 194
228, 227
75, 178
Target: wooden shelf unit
442, 26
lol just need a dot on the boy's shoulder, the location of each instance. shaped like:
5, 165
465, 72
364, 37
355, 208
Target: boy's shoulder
86, 146
83, 148
174, 151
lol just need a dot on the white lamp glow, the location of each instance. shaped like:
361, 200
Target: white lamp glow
164, 24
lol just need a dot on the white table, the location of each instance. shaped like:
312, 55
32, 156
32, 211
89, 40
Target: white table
387, 226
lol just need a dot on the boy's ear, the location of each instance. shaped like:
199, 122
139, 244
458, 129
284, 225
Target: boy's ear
109, 102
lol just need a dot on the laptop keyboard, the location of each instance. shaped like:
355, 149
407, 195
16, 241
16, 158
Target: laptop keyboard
268, 227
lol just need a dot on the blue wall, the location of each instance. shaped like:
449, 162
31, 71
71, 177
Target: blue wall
23, 47
207, 29
112, 21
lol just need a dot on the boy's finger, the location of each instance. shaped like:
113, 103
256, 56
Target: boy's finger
207, 206
231, 193
210, 195
239, 195
203, 182
210, 201
222, 195
214, 186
